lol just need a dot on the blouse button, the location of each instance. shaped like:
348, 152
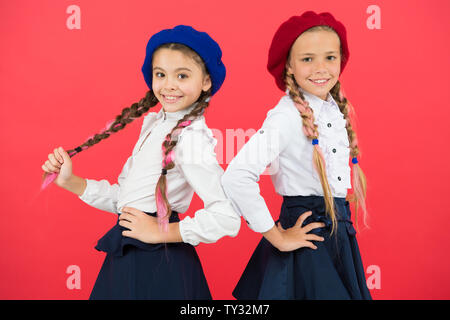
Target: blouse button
339, 178
261, 131
329, 125
334, 150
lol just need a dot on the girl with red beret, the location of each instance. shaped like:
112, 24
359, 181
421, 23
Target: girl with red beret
306, 140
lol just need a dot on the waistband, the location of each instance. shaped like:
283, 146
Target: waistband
294, 206
173, 218
114, 242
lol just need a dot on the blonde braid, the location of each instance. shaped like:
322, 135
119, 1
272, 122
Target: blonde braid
359, 179
311, 131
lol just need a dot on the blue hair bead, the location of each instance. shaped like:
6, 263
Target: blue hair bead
354, 160
315, 141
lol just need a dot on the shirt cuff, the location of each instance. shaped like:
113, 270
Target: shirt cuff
262, 223
91, 188
186, 234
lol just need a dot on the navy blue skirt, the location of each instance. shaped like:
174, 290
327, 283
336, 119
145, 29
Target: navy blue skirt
140, 271
333, 271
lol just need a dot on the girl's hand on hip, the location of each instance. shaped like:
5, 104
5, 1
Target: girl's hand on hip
297, 236
59, 162
143, 227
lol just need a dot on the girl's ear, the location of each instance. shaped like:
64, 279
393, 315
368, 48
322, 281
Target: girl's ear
288, 67
206, 83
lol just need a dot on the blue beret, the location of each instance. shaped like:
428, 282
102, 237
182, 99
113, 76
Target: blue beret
200, 42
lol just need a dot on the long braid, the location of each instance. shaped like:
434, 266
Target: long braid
128, 114
359, 179
312, 133
164, 210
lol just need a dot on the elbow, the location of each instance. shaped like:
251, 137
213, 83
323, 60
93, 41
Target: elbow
228, 183
236, 178
229, 226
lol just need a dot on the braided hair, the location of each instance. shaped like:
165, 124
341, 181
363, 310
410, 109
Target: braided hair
310, 130
135, 111
127, 115
163, 207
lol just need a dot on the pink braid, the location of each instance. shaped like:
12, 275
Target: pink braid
163, 219
168, 158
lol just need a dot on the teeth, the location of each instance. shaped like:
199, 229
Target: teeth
319, 81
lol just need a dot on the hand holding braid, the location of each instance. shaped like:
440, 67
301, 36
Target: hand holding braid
164, 210
127, 115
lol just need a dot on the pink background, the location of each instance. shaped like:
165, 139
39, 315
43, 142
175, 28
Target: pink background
58, 86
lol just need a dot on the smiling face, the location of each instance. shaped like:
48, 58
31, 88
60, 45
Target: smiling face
315, 61
178, 80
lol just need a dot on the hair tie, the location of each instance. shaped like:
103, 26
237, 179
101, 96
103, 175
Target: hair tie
164, 172
315, 141
354, 160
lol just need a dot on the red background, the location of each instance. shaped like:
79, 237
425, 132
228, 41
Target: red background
58, 86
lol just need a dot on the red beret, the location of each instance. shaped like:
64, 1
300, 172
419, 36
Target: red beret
290, 30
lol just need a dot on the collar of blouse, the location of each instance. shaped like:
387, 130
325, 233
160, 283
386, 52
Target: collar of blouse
318, 104
174, 116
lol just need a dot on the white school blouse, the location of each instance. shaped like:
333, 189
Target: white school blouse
196, 169
282, 145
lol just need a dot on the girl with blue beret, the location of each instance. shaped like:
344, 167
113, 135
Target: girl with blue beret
307, 138
150, 252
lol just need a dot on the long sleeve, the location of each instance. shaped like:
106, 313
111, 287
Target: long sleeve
240, 180
196, 159
101, 194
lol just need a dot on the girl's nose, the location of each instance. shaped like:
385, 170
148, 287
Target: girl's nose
170, 83
320, 66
